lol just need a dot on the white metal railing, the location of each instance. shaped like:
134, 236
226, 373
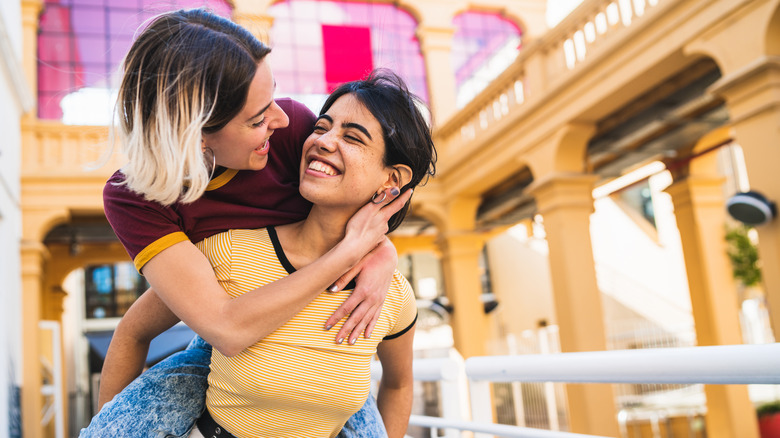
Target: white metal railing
723, 364
729, 364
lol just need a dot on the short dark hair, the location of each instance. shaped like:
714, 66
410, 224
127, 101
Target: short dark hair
406, 132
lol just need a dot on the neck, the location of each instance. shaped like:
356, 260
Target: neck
305, 241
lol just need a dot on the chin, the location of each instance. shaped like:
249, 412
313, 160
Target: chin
258, 165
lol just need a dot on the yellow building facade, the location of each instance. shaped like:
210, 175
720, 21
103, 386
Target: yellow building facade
534, 142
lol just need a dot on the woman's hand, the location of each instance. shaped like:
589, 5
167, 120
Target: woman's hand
367, 228
366, 234
372, 276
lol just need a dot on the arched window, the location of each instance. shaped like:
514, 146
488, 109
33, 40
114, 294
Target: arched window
483, 46
81, 44
319, 44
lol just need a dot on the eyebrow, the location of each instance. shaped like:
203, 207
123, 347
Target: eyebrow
357, 126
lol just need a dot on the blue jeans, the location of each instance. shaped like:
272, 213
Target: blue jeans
167, 399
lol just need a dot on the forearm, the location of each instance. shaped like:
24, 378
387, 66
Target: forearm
395, 389
126, 356
395, 405
124, 362
185, 281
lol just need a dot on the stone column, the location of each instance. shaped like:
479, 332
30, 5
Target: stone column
566, 203
259, 24
252, 14
436, 46
460, 267
753, 99
34, 255
31, 12
460, 247
699, 208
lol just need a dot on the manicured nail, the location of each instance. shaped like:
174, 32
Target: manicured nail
340, 340
352, 341
334, 288
394, 191
328, 327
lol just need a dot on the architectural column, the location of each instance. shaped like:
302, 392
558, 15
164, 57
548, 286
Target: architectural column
460, 267
753, 99
699, 208
252, 14
34, 255
565, 202
460, 247
259, 24
31, 12
436, 46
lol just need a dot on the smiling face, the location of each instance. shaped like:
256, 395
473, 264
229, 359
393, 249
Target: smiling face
243, 142
343, 159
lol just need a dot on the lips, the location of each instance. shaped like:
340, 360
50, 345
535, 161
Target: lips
262, 150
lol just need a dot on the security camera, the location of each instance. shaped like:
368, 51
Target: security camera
751, 208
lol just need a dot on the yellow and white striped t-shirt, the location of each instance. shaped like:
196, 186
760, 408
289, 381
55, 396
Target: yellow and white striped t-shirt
296, 382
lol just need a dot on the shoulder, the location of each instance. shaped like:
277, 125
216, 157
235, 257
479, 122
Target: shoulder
401, 293
116, 192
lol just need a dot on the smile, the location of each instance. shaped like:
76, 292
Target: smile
264, 148
319, 166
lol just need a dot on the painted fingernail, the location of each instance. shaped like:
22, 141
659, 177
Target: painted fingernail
333, 288
394, 191
352, 341
328, 327
340, 340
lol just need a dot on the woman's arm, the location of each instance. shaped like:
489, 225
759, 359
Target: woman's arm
184, 280
395, 389
364, 305
126, 356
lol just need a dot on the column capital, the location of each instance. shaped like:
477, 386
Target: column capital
34, 254
435, 37
259, 24
31, 10
563, 190
459, 243
703, 190
752, 89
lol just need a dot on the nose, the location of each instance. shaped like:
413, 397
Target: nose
278, 117
326, 142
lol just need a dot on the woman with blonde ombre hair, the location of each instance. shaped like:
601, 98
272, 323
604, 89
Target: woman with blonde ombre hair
210, 149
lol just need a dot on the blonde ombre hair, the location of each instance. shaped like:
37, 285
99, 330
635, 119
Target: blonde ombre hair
187, 73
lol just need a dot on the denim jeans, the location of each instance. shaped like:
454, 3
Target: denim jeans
167, 399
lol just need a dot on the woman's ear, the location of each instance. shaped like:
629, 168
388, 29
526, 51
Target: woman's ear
400, 175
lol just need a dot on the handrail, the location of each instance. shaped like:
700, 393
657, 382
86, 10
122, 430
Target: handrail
501, 430
722, 364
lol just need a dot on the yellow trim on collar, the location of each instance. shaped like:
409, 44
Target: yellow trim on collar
222, 179
157, 247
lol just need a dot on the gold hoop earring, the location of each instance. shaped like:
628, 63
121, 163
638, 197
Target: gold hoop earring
208, 151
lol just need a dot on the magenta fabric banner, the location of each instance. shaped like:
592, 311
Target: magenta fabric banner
348, 54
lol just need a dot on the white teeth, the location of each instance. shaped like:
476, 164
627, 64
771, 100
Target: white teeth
319, 166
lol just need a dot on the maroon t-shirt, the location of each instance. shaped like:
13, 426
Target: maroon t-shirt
234, 199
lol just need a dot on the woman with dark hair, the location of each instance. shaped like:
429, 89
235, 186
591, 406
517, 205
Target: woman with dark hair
197, 113
370, 136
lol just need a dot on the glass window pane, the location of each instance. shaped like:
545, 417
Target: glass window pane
392, 36
81, 43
